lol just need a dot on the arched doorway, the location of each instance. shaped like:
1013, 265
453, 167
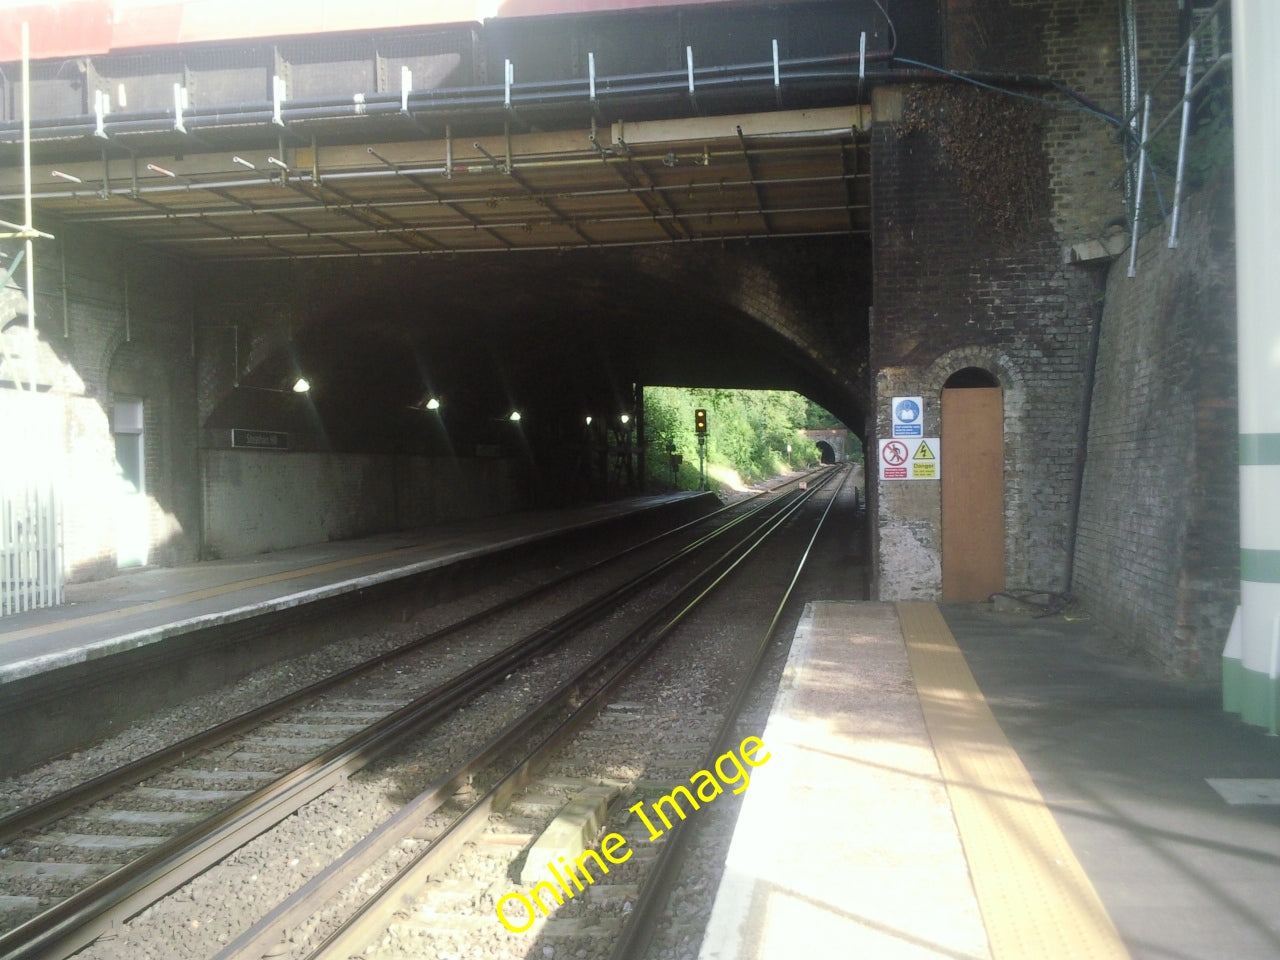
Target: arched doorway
972, 461
826, 452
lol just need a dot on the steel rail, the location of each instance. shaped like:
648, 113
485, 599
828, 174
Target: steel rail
64, 802
259, 939
77, 920
354, 934
664, 873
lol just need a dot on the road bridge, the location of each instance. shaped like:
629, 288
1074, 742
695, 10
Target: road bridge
440, 221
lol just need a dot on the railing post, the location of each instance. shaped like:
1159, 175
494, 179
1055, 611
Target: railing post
1182, 141
1137, 198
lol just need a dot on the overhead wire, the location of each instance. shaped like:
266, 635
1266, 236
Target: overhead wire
1080, 104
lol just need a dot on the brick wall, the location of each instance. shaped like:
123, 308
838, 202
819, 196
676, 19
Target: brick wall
813, 294
962, 282
115, 323
963, 278
1157, 558
1074, 43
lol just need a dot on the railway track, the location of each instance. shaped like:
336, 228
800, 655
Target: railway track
107, 849
431, 905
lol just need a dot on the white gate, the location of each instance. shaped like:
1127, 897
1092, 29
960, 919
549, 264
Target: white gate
31, 557
30, 548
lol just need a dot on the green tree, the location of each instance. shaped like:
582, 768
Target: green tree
748, 431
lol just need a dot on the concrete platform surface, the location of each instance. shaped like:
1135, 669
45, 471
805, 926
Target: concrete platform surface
146, 606
845, 845
996, 785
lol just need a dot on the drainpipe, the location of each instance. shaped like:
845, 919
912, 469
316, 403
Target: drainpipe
1082, 434
1251, 660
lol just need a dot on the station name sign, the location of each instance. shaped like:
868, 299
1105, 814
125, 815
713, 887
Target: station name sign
259, 439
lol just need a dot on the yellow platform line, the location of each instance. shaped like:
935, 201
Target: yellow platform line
194, 595
1036, 901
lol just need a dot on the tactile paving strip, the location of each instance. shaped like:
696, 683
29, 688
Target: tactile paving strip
1035, 898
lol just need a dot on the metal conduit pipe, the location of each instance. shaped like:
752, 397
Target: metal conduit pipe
585, 158
258, 115
491, 97
542, 248
428, 201
454, 201
463, 96
425, 201
505, 225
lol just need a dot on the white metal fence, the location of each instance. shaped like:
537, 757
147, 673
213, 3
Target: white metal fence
31, 475
30, 548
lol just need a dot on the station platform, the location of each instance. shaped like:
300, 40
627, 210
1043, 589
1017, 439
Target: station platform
135, 609
957, 782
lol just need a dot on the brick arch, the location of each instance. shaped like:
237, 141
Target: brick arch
804, 292
1016, 493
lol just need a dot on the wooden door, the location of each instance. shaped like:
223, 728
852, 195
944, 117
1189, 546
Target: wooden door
972, 493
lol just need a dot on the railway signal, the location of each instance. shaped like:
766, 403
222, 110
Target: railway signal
700, 426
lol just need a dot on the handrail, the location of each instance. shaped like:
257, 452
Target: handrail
1182, 108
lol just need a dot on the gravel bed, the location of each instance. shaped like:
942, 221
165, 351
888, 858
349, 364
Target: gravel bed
679, 695
199, 713
212, 910
221, 903
202, 712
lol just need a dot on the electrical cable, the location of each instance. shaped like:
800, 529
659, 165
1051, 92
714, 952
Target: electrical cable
1080, 104
893, 31
1053, 604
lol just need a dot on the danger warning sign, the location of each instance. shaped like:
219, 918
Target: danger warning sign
907, 458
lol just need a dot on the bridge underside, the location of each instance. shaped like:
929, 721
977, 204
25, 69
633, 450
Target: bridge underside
691, 180
477, 241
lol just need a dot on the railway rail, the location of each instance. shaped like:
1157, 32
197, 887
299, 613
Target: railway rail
170, 815
399, 915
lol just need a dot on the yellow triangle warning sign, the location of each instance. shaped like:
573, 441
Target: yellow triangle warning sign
923, 452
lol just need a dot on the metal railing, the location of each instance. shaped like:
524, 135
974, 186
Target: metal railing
30, 548
1196, 75
31, 486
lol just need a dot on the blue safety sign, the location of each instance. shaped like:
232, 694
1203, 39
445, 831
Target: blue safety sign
908, 419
